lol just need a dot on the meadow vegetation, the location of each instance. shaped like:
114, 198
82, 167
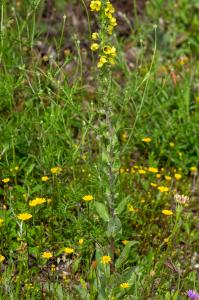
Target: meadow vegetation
99, 148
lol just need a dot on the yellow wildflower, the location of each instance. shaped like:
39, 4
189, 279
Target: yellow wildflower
1, 221
163, 189
146, 140
94, 47
102, 61
106, 259
95, 36
167, 212
47, 255
44, 178
110, 29
55, 170
130, 208
153, 184
68, 250
24, 216
153, 170
167, 178
87, 198
95, 5
124, 242
5, 180
158, 176
81, 241
108, 50
2, 258
124, 285
37, 201
177, 176
111, 61
124, 136
166, 240
193, 169
171, 144
141, 171
113, 21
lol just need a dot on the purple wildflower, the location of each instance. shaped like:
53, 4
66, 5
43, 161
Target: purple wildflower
193, 295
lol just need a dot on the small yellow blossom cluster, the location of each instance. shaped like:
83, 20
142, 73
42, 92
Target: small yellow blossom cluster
37, 201
24, 216
56, 170
5, 180
107, 52
47, 255
87, 198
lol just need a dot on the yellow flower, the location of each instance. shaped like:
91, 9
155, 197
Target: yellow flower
47, 255
87, 198
141, 171
106, 259
68, 250
158, 175
113, 21
146, 140
124, 242
102, 61
167, 212
171, 144
167, 177
95, 36
44, 178
108, 50
124, 285
2, 258
197, 99
153, 170
95, 5
55, 170
24, 216
166, 240
37, 201
1, 221
153, 184
81, 241
124, 136
130, 208
111, 61
163, 189
110, 29
177, 176
94, 47
193, 169
5, 180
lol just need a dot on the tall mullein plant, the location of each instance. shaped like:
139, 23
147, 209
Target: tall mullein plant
107, 125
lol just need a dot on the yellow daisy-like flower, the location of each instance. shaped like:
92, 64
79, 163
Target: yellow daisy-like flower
153, 184
55, 170
130, 208
167, 178
68, 250
177, 176
87, 198
102, 61
124, 242
124, 285
106, 259
113, 21
95, 36
44, 178
153, 170
167, 212
5, 180
2, 258
158, 176
163, 189
194, 169
81, 241
146, 140
94, 47
24, 216
37, 201
95, 5
108, 50
1, 221
47, 255
141, 171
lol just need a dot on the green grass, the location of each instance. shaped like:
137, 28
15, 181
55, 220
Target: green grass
59, 110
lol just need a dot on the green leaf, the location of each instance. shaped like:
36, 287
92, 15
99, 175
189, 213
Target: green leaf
125, 253
114, 227
122, 206
102, 211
